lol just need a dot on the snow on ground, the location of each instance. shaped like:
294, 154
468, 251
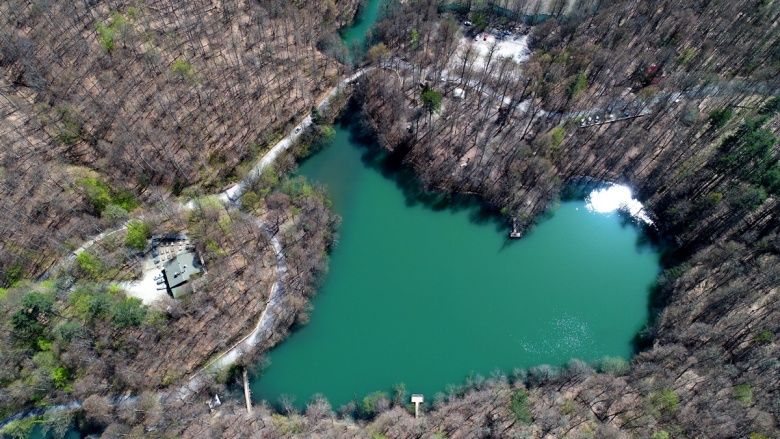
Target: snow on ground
146, 289
512, 46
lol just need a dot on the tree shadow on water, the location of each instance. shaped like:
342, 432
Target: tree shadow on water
391, 166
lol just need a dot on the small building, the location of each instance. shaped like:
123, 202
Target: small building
177, 272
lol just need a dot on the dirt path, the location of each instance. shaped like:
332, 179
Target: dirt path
232, 194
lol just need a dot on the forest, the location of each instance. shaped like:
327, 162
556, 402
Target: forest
117, 110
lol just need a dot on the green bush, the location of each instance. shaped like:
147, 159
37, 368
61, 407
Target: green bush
100, 195
137, 235
90, 305
34, 309
60, 377
67, 331
763, 337
370, 403
128, 312
556, 137
520, 407
771, 180
12, 275
183, 69
431, 100
70, 126
746, 198
114, 213
97, 193
578, 85
89, 264
749, 155
20, 429
109, 31
106, 37
665, 400
613, 365
718, 118
743, 393
771, 107
663, 434
686, 56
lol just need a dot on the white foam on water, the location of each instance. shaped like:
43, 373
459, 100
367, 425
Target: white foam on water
572, 336
616, 197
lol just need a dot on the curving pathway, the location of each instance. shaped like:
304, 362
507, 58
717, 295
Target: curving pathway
269, 317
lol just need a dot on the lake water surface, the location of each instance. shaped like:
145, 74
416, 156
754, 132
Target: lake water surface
425, 296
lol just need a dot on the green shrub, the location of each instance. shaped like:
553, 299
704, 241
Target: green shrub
771, 180
90, 305
114, 213
414, 37
567, 407
763, 337
34, 309
69, 127
749, 155
89, 264
370, 403
67, 331
613, 365
520, 407
137, 235
771, 107
100, 195
128, 312
109, 32
663, 434
12, 275
556, 137
578, 85
718, 118
20, 429
431, 100
60, 377
665, 400
106, 37
183, 69
743, 393
686, 56
249, 200
97, 193
746, 198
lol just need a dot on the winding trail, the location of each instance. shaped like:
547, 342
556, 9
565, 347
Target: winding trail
262, 331
270, 315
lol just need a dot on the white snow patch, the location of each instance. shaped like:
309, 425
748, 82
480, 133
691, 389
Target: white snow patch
513, 46
614, 198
